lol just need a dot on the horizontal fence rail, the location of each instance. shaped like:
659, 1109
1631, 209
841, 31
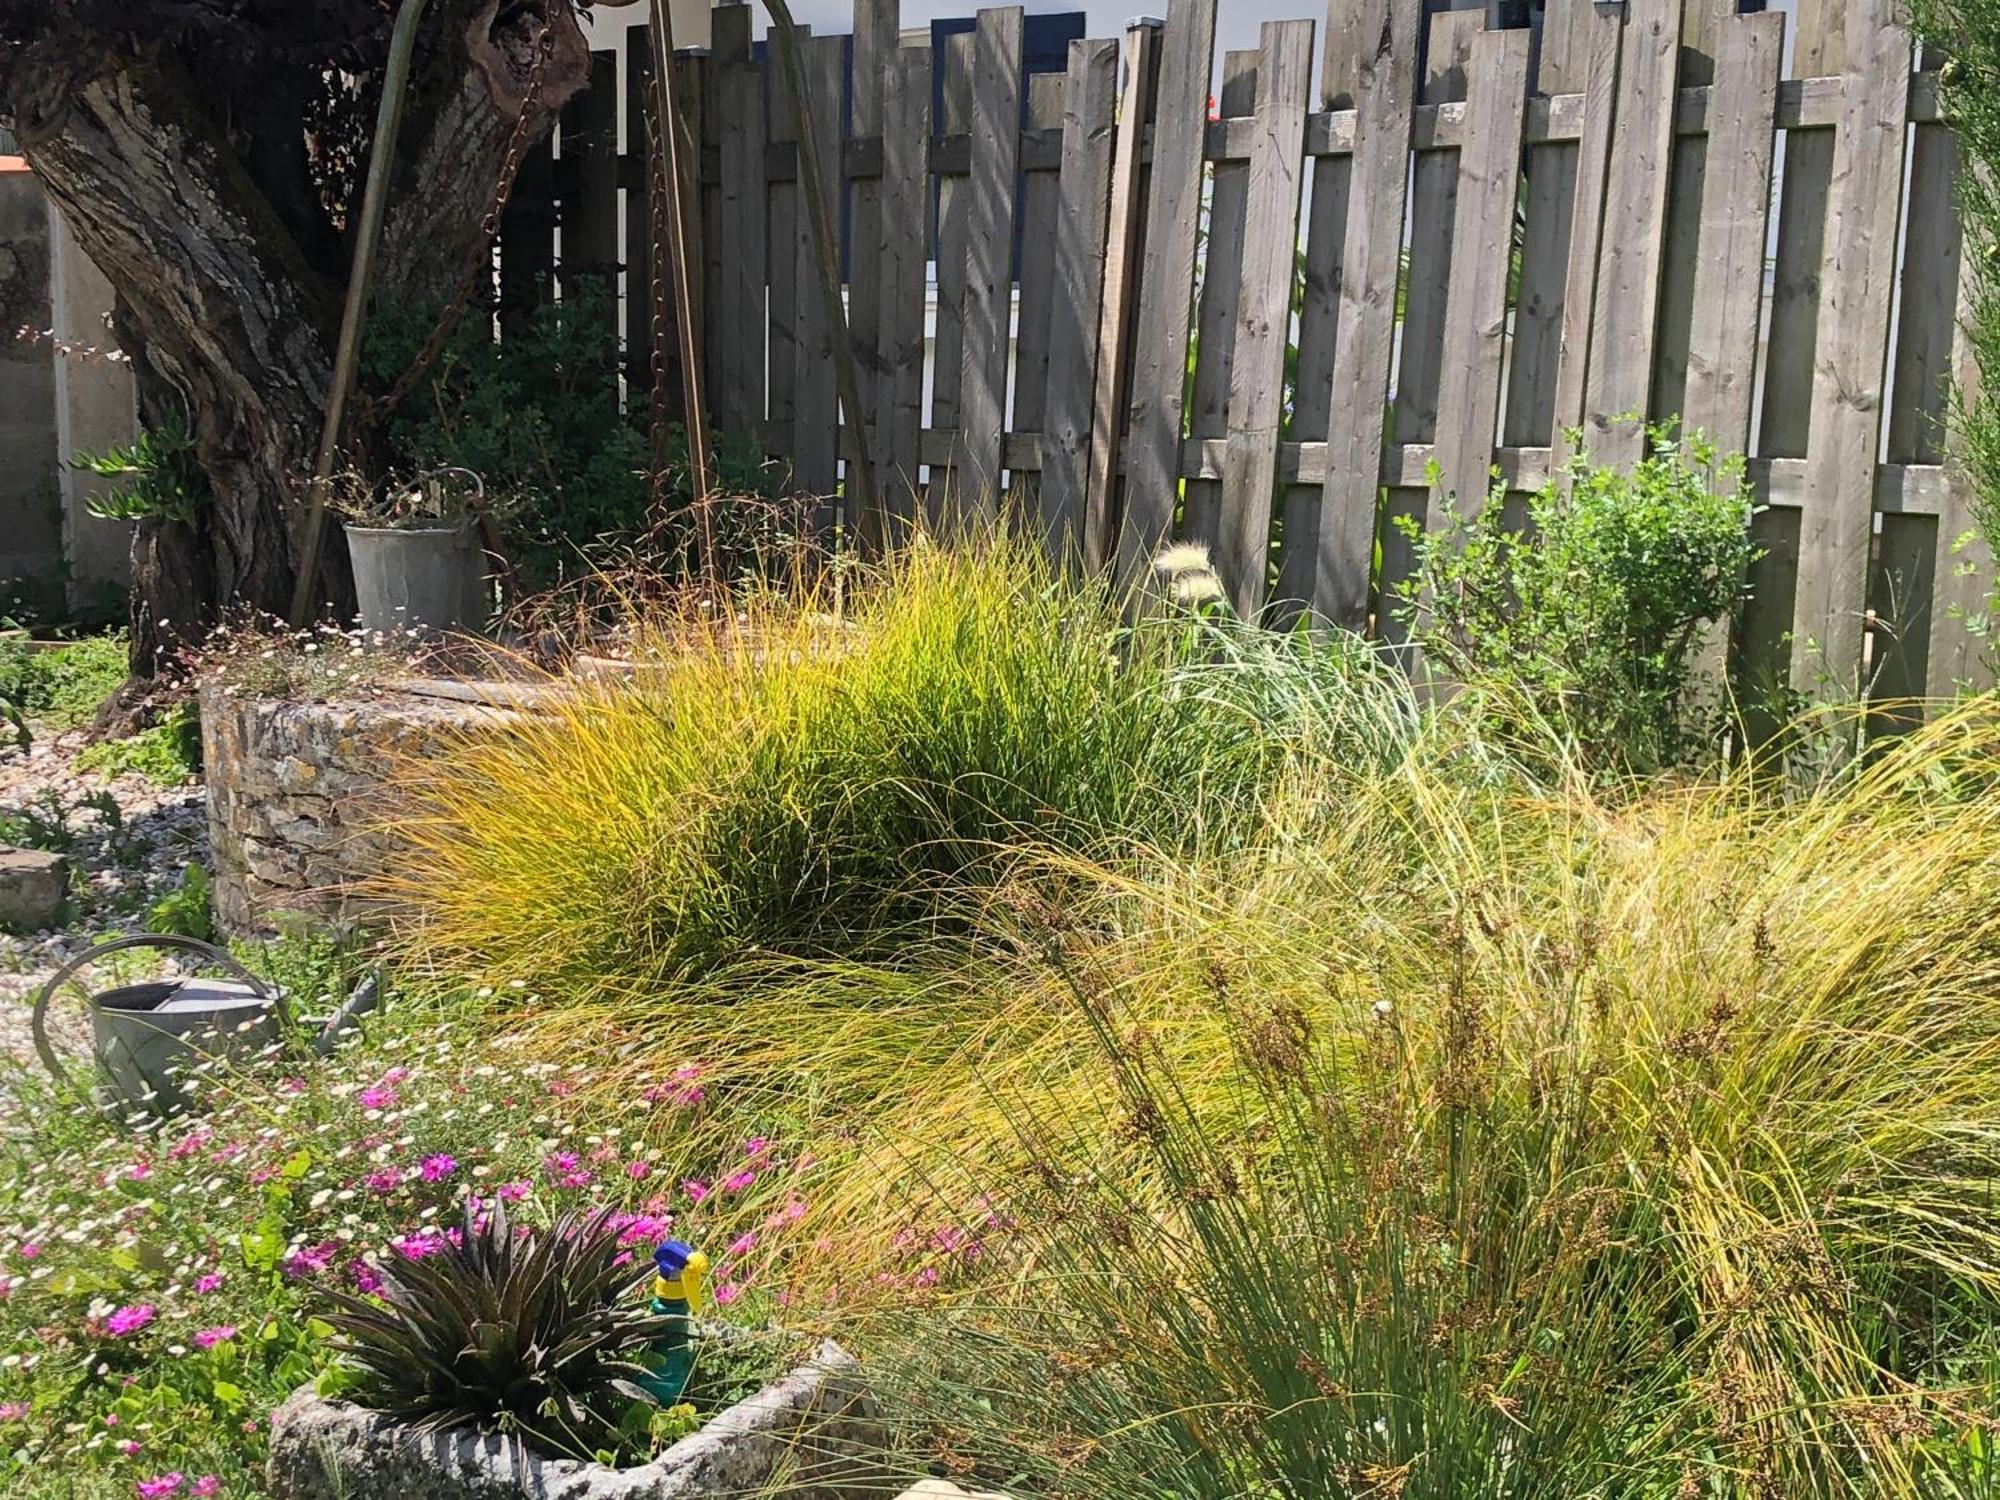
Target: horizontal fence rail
1123, 306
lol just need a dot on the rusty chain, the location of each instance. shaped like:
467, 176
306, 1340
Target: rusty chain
481, 259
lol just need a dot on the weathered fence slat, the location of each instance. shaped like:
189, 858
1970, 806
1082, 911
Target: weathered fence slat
1041, 204
1728, 281
1264, 314
900, 261
989, 273
1166, 285
589, 182
954, 224
1221, 291
1848, 377
815, 451
640, 259
1353, 388
877, 24
736, 315
1636, 194
787, 221
1489, 175
1108, 404
1083, 210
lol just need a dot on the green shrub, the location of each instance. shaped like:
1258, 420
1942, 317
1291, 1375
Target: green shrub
814, 782
160, 477
168, 754
536, 415
186, 910
1592, 610
62, 687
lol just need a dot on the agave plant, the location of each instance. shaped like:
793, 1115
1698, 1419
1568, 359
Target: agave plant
532, 1334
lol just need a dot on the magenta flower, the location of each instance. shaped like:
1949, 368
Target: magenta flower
367, 1280
755, 1147
129, 1448
437, 1168
637, 1170
13, 1411
208, 1338
139, 1171
695, 1189
309, 1262
29, 1252
129, 1320
743, 1244
726, 1292
736, 1182
514, 1192
383, 1180
208, 1282
208, 1484
161, 1484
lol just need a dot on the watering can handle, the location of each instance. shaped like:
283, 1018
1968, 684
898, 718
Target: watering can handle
207, 952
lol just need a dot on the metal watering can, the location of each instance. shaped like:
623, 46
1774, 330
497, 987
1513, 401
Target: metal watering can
145, 1037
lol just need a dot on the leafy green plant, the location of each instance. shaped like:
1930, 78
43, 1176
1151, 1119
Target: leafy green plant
168, 754
159, 476
1593, 609
532, 1334
186, 910
58, 686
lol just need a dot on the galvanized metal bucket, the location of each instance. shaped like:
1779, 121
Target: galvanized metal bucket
146, 1037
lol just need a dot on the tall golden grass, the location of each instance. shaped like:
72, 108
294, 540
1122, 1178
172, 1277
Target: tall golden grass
1423, 1125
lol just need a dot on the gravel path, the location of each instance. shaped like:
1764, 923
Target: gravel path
128, 841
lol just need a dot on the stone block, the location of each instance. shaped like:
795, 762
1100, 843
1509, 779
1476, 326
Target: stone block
33, 887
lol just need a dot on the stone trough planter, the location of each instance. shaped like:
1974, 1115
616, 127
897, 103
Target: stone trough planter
814, 1435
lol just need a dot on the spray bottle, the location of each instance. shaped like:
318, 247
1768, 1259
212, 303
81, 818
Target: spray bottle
677, 1294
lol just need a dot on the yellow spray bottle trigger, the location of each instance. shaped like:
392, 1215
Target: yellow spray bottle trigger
683, 1275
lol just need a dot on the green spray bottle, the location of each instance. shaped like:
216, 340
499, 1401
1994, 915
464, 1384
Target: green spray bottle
677, 1293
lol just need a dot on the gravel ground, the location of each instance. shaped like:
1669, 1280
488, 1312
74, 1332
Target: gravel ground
128, 841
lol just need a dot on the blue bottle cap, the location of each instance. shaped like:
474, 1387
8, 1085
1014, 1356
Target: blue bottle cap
671, 1258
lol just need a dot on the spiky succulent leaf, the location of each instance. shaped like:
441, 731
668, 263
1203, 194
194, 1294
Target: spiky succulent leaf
532, 1334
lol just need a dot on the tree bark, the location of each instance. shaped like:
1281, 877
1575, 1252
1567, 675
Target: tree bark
228, 305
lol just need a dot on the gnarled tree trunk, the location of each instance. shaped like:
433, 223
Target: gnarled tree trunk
184, 156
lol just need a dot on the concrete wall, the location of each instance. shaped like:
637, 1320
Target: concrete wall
31, 570
60, 390
96, 409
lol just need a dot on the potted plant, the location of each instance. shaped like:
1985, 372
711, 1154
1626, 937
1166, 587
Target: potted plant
416, 550
511, 1361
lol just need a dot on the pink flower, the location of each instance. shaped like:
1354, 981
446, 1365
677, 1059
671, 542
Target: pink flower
736, 1182
367, 1280
29, 1252
309, 1262
129, 1320
726, 1292
292, 1085
418, 1245
379, 1096
793, 1211
13, 1411
437, 1168
129, 1448
755, 1147
208, 1484
743, 1244
139, 1171
637, 1170
383, 1180
514, 1192
163, 1484
187, 1145
208, 1338
207, 1283
695, 1189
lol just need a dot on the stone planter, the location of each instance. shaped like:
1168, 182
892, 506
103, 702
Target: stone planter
427, 578
814, 1435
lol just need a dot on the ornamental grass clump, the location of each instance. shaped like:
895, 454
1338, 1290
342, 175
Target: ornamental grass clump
831, 779
1503, 1144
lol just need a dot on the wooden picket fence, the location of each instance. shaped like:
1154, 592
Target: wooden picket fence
1266, 330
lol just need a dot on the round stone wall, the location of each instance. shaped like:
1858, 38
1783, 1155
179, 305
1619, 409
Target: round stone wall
298, 795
